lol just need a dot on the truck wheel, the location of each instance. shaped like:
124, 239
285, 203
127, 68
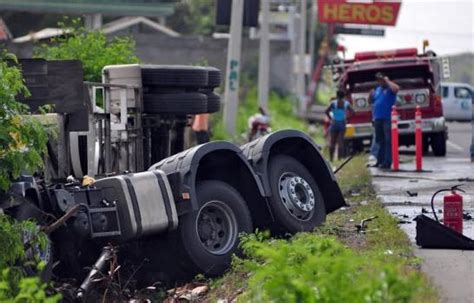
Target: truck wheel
210, 235
296, 201
177, 104
426, 145
214, 77
174, 76
213, 102
438, 144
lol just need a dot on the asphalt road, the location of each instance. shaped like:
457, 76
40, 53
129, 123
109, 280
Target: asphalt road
459, 139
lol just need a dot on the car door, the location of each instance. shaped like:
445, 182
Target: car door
463, 102
446, 92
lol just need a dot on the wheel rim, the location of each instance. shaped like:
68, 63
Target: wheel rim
216, 227
297, 196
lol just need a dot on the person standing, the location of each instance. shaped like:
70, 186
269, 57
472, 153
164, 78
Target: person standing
383, 97
338, 111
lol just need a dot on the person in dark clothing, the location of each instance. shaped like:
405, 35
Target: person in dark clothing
383, 97
338, 111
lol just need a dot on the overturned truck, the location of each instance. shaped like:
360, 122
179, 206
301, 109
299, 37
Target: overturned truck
185, 212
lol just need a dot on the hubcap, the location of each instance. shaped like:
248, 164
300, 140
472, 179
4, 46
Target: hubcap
296, 195
216, 227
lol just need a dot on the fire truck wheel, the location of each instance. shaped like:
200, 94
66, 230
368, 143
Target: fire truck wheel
296, 201
44, 252
210, 236
180, 103
438, 144
174, 76
213, 102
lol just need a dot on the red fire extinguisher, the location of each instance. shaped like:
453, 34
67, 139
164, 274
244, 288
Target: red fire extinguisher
452, 208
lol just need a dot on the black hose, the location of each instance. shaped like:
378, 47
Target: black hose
452, 189
343, 164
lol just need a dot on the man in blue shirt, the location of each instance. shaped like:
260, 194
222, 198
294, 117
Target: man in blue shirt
383, 97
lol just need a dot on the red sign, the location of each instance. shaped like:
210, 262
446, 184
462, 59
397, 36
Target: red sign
342, 11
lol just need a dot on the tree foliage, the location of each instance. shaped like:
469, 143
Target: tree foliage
194, 17
22, 138
90, 47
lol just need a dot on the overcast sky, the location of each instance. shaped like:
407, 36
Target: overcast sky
447, 24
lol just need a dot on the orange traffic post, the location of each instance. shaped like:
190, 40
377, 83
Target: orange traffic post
395, 157
418, 140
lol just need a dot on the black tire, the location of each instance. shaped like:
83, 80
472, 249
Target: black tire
213, 102
214, 76
426, 145
174, 76
295, 207
438, 144
212, 259
29, 211
176, 104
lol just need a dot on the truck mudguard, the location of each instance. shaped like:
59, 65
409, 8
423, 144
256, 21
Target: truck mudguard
301, 147
216, 160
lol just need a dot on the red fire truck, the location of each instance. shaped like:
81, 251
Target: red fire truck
418, 76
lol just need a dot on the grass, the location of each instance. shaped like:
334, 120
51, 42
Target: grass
281, 110
375, 266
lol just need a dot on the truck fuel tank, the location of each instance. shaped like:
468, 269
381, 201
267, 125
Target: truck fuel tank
144, 202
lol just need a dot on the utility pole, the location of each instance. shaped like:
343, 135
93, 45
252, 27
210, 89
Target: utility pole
300, 88
264, 56
231, 94
312, 30
292, 37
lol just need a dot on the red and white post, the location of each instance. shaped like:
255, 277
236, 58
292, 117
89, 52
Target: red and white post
418, 140
395, 156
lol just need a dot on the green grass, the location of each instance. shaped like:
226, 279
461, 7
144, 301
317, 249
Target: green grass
334, 263
281, 109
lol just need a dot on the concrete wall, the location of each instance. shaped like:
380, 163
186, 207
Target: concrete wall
158, 49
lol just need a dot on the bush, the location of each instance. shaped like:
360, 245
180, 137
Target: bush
90, 47
14, 286
311, 268
22, 138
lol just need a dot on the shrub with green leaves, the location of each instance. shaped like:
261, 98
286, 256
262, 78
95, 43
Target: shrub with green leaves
22, 138
14, 285
90, 47
311, 268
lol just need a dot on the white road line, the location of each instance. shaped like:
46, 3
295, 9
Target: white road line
455, 146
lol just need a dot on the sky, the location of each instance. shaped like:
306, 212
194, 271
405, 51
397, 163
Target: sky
447, 24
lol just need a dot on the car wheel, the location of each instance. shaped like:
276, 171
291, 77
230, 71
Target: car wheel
210, 236
177, 104
438, 144
296, 201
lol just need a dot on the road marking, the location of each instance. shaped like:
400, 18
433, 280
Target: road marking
455, 146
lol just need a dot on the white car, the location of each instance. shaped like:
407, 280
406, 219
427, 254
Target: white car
457, 101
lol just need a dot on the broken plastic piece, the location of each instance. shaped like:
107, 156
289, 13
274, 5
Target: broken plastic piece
432, 234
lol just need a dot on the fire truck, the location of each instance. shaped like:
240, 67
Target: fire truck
417, 74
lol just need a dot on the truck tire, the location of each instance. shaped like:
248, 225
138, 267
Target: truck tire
174, 76
213, 102
296, 202
179, 103
438, 144
210, 236
214, 77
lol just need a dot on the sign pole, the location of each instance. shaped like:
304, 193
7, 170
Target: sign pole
231, 94
300, 88
264, 56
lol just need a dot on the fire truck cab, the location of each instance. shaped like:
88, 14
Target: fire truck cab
418, 76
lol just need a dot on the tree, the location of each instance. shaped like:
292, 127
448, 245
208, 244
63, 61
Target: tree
90, 47
22, 137
194, 17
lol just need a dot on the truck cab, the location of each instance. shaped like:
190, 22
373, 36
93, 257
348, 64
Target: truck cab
418, 78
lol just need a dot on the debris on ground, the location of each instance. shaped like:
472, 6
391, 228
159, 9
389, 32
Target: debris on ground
186, 293
412, 194
363, 224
